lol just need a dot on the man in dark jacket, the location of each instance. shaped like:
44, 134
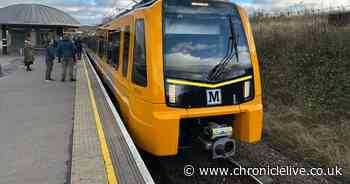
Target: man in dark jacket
50, 57
66, 52
79, 46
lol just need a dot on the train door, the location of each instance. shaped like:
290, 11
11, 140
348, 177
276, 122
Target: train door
113, 53
141, 115
139, 65
116, 63
124, 79
140, 84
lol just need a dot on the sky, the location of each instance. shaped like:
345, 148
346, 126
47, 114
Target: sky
90, 12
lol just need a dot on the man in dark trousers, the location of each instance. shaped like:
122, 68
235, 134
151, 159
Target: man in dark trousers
79, 46
66, 54
50, 57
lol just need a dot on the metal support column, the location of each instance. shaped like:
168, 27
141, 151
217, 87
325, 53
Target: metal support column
4, 40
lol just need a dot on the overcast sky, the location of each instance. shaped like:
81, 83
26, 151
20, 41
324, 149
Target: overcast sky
90, 12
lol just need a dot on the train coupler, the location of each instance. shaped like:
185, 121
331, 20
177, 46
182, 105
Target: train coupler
218, 140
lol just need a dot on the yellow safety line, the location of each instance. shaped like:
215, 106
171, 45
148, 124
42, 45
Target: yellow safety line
112, 179
198, 84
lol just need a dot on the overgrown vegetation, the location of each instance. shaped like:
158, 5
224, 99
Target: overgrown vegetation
306, 81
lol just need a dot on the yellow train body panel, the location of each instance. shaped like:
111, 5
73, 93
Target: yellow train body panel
154, 125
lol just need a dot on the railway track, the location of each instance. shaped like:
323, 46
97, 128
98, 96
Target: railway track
258, 179
173, 169
170, 170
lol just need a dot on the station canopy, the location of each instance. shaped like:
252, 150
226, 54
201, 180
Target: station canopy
35, 14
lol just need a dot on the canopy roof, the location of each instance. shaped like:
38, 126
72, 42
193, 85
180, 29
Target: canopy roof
35, 14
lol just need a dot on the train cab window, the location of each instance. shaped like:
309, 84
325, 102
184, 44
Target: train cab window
115, 49
126, 51
139, 69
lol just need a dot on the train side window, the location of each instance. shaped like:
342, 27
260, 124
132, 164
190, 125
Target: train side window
109, 49
139, 69
100, 47
126, 51
115, 49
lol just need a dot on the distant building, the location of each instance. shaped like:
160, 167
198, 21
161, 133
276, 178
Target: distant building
38, 22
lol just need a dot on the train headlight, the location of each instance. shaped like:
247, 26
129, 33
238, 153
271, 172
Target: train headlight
246, 90
199, 4
172, 93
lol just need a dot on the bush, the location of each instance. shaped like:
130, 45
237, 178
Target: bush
305, 65
308, 60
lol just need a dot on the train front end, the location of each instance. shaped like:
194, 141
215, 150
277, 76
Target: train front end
203, 79
211, 72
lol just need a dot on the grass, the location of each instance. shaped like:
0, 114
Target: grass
306, 81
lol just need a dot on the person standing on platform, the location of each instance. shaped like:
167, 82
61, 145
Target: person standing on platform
79, 46
50, 57
66, 54
28, 54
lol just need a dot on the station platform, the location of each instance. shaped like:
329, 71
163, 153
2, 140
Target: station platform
9, 64
36, 120
55, 132
103, 151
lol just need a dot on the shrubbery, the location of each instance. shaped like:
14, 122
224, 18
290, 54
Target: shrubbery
305, 65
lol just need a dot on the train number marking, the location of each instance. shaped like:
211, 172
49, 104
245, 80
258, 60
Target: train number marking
214, 97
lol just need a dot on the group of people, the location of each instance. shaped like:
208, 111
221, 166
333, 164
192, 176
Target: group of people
65, 50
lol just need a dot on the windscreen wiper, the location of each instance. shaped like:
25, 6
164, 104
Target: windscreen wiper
219, 69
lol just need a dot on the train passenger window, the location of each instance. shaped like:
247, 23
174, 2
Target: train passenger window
100, 47
115, 49
103, 49
139, 69
109, 49
126, 51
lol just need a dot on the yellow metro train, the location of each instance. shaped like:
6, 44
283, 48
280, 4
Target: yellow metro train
183, 71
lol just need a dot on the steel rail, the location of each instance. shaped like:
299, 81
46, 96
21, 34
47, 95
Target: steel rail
268, 180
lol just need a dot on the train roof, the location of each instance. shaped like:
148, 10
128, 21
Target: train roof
110, 26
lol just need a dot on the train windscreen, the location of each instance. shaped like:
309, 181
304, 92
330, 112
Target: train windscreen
205, 44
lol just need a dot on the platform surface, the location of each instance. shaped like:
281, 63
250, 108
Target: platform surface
87, 159
49, 132
124, 159
36, 119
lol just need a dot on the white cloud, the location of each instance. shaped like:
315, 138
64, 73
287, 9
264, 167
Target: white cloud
92, 11
86, 11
